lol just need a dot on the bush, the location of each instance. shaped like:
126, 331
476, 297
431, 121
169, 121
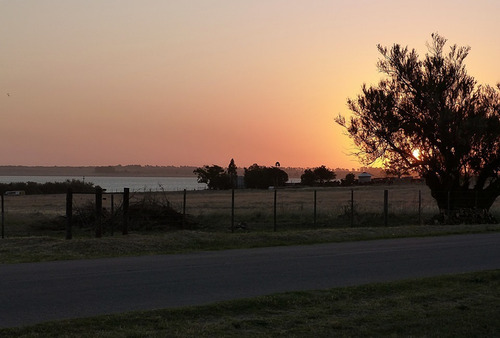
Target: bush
33, 188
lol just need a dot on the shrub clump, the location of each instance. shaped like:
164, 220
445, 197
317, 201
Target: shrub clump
33, 188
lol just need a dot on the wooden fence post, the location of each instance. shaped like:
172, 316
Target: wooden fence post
111, 219
352, 208
126, 196
184, 210
98, 212
69, 213
232, 210
3, 216
420, 207
315, 200
386, 207
275, 206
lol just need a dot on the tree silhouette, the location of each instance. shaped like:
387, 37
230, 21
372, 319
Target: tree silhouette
214, 176
308, 177
261, 177
323, 174
318, 175
232, 172
349, 180
429, 116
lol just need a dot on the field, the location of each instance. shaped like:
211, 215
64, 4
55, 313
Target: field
34, 226
254, 210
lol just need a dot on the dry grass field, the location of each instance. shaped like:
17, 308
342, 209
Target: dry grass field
253, 209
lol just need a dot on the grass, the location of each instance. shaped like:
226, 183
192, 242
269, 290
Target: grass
466, 305
47, 248
211, 210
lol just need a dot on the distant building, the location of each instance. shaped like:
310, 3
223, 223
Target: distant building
240, 182
364, 177
15, 193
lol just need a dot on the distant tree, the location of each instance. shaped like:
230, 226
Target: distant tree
318, 175
308, 177
232, 171
429, 116
349, 180
324, 174
214, 176
261, 177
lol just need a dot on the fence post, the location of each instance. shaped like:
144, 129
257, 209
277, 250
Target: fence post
275, 206
98, 212
69, 213
111, 219
386, 206
184, 210
315, 200
352, 208
232, 210
420, 207
3, 217
126, 195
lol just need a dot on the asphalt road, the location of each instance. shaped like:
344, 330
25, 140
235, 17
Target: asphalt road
36, 292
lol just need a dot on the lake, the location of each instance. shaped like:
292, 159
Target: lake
116, 184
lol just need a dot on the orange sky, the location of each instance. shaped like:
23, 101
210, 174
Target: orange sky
106, 82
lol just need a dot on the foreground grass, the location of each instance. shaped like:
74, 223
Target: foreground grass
466, 305
37, 249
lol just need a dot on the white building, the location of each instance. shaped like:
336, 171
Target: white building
364, 177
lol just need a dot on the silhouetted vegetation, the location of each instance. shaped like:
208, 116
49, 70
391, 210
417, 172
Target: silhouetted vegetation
317, 176
216, 177
32, 188
261, 177
349, 180
145, 212
430, 117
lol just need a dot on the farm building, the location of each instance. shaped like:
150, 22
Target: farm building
15, 193
364, 177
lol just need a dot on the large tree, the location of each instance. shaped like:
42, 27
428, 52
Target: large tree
214, 176
429, 116
318, 175
261, 177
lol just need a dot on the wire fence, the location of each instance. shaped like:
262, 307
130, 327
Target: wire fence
103, 214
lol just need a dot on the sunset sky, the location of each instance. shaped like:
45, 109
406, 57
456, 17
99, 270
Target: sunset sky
194, 82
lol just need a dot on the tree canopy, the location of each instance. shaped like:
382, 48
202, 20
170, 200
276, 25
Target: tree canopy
261, 177
429, 116
318, 175
214, 176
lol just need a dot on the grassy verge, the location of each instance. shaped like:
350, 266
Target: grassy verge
465, 305
36, 249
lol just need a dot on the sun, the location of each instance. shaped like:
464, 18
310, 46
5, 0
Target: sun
416, 153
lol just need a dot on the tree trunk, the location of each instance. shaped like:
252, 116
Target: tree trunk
458, 204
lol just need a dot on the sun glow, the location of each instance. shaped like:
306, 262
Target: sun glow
416, 153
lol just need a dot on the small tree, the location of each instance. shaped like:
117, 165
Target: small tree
232, 171
308, 177
429, 116
323, 174
349, 180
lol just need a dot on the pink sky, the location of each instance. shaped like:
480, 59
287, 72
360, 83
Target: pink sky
155, 82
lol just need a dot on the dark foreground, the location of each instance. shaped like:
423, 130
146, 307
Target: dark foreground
37, 292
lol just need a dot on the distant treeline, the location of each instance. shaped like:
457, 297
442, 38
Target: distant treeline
33, 188
151, 171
